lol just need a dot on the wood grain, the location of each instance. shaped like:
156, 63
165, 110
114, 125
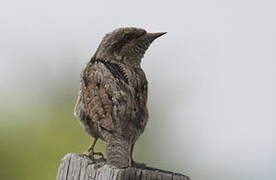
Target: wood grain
81, 167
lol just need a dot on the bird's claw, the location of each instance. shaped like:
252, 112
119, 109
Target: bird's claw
137, 164
92, 154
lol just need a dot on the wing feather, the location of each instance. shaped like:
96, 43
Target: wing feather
104, 101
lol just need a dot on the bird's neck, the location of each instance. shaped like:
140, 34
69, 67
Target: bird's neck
130, 61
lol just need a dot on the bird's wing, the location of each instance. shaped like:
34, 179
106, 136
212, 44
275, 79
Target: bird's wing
104, 99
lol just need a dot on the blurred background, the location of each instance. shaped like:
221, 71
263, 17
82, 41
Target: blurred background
212, 84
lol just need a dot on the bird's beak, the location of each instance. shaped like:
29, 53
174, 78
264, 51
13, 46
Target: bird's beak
152, 36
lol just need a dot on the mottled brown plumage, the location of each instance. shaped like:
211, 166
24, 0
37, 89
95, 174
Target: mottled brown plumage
112, 101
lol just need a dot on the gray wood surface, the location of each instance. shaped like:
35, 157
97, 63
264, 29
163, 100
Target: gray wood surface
80, 167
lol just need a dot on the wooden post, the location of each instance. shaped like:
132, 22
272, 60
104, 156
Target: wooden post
81, 167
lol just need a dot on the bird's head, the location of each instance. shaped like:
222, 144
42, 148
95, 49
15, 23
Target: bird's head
126, 45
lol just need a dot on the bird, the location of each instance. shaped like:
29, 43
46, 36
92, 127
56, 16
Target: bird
112, 100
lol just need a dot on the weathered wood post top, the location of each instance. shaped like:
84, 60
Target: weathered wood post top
81, 167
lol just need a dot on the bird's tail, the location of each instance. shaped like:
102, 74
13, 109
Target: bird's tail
118, 152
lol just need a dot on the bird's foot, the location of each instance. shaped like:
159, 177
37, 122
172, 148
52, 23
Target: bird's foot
92, 154
137, 164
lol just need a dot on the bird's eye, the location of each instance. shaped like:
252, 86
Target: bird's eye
127, 36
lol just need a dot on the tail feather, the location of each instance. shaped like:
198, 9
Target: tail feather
118, 152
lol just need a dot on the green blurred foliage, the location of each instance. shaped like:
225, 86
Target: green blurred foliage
35, 136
